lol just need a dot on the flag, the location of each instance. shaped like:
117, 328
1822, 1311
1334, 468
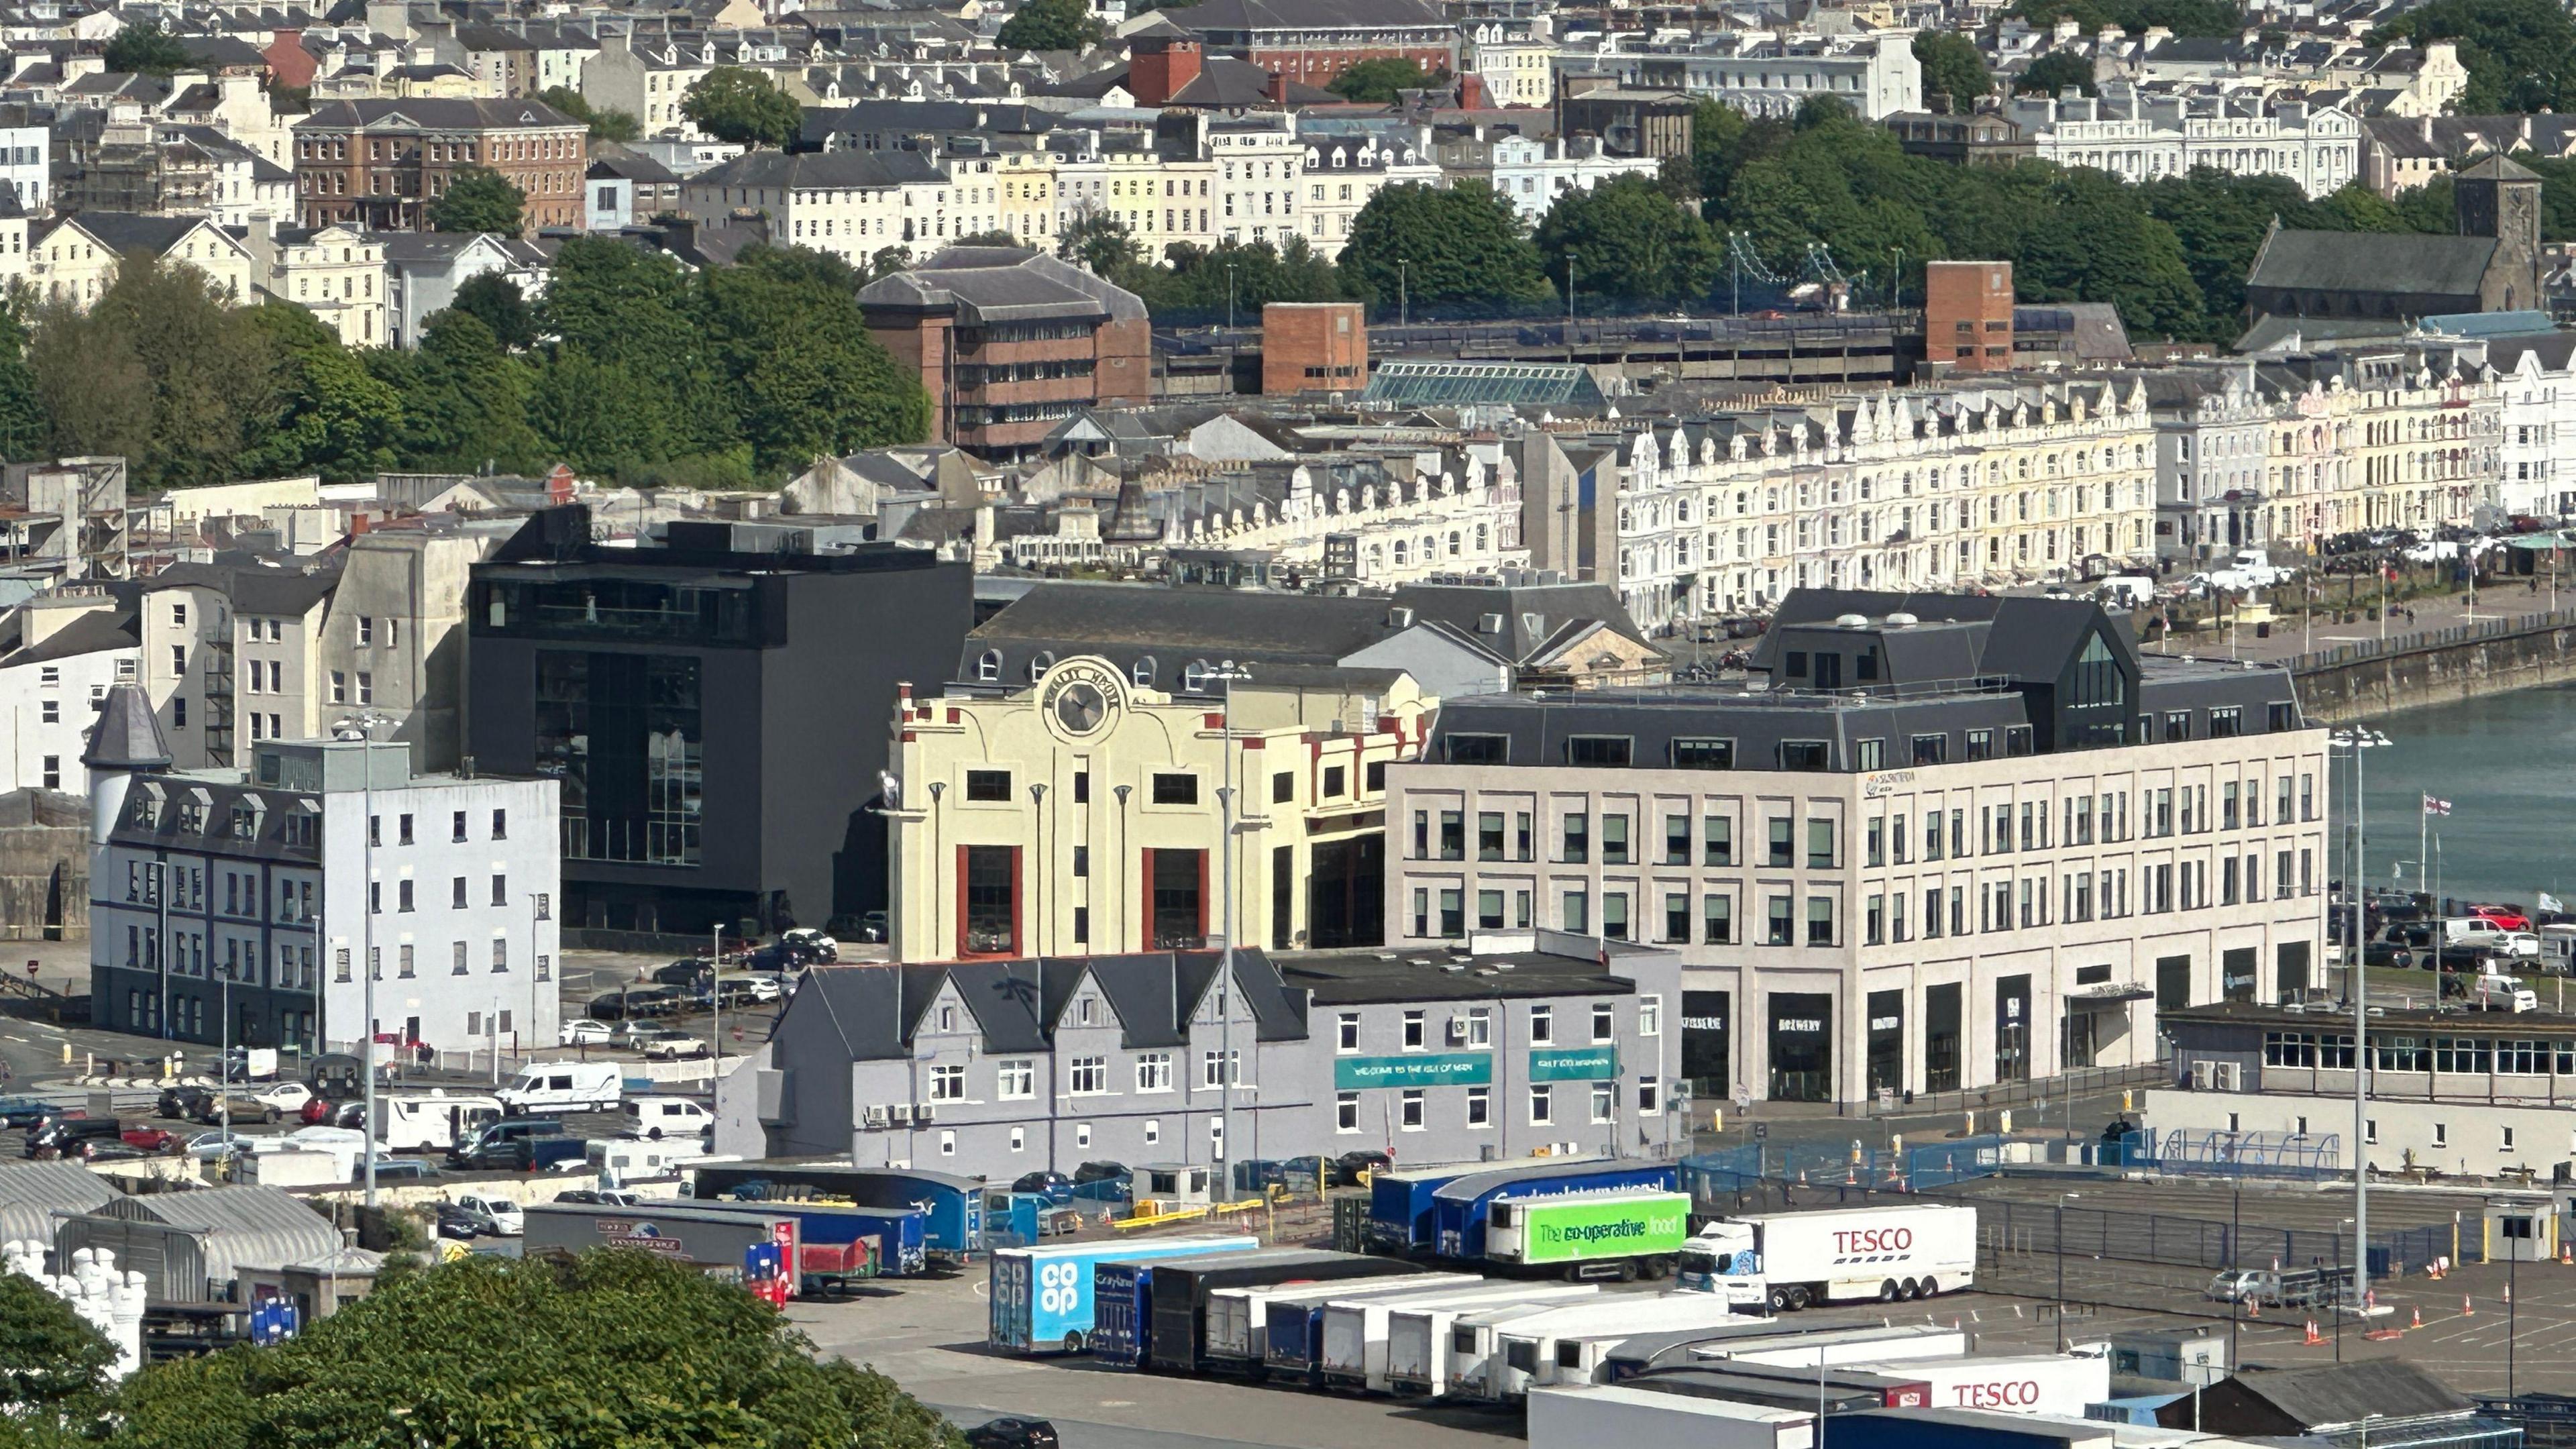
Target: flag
2436, 806
2549, 902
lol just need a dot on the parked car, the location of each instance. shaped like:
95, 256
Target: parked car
582, 1031
2387, 953
504, 1215
811, 945
106, 1149
284, 1096
636, 1003
655, 1118
1013, 1434
1055, 1187
207, 1146
745, 988
1091, 1172
26, 1111
872, 926
150, 1139
600, 1197
2506, 918
2516, 945
684, 973
665, 1045
405, 1169
1348, 1167
455, 1221
63, 1136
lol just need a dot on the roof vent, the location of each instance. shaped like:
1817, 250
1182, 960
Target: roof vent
1399, 618
1902, 621
1851, 621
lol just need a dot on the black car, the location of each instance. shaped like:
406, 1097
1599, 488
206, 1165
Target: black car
68, 1136
1013, 1434
684, 973
405, 1169
25, 1111
457, 1222
1055, 1187
1348, 1167
181, 1103
2388, 953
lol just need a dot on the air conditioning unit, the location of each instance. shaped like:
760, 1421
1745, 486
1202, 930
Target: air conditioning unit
2231, 1076
921, 1114
1457, 1030
2200, 1076
875, 1119
902, 1114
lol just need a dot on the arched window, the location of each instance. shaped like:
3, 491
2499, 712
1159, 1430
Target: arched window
1142, 671
989, 667
1039, 665
1194, 675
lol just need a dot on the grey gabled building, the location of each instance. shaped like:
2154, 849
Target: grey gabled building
1492, 1050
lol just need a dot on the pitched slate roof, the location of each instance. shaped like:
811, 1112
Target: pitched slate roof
874, 1010
1230, 15
2354, 261
127, 737
91, 632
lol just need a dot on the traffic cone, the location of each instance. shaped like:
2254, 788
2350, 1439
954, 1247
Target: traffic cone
2419, 1319
2253, 1307
2467, 1308
2314, 1337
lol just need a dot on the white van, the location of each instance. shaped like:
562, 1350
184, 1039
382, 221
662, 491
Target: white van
2126, 591
566, 1087
655, 1118
434, 1122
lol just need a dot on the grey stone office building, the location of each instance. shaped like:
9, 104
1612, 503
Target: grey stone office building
1494, 1048
1939, 842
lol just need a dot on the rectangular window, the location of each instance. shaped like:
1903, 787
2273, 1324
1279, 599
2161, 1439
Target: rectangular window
1346, 1112
1677, 840
1603, 750
1820, 844
948, 1082
1176, 789
1778, 930
1489, 910
1476, 749
1542, 1106
1703, 754
1015, 1078
1717, 840
1614, 840
1347, 1032
1614, 915
1408, 1115
1088, 1076
1717, 919
1820, 920
1480, 1106
989, 786
1489, 835
1154, 1071
1575, 913
1577, 839
1782, 843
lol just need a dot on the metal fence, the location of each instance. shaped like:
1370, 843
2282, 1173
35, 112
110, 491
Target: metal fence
2499, 628
2299, 1157
1731, 1171
2189, 1242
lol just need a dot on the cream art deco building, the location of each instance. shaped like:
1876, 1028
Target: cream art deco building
1080, 813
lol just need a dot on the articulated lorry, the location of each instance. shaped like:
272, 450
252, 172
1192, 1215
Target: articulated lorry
1356, 1334
1418, 1337
1787, 1261
1041, 1296
1622, 1233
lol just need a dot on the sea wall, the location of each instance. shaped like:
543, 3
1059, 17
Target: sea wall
2356, 681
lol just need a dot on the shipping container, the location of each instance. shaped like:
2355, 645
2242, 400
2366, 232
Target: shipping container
1042, 1296
1480, 1370
1293, 1338
2060, 1384
953, 1206
1399, 1219
1417, 1337
1458, 1206
1238, 1319
1590, 1416
1619, 1234
1353, 1353
1786, 1261
1178, 1293
710, 1239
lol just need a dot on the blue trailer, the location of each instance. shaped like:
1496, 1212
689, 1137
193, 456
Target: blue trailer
900, 1234
1458, 1205
952, 1206
1042, 1297
1399, 1218
1122, 1313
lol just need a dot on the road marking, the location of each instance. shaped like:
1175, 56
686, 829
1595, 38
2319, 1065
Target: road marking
14, 1037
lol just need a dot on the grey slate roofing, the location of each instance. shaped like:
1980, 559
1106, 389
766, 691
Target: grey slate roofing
126, 232
1255, 15
874, 1010
91, 632
993, 284
643, 170
434, 113
1119, 620
2352, 261
2345, 1394
818, 170
127, 736
253, 588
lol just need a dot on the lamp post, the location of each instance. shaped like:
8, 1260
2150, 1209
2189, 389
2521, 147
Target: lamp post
1569, 307
536, 939
1036, 944
2062, 1200
1226, 673
361, 727
2359, 741
1229, 296
715, 999
1404, 300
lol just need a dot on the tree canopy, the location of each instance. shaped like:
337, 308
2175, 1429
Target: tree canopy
742, 106
1952, 66
145, 48
1051, 25
478, 198
2053, 73
605, 125
2520, 54
1444, 246
1376, 82
611, 1348
1629, 242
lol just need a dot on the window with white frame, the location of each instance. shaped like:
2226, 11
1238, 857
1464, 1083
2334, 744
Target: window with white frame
1409, 1110
1015, 1078
1480, 1026
1220, 1069
1154, 1072
1542, 1025
1542, 1105
1604, 1100
1603, 1021
1347, 1038
1089, 1076
1346, 1112
948, 1083
1413, 1031
1650, 1015
1480, 1106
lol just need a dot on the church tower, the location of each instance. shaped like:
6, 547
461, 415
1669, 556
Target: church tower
2500, 198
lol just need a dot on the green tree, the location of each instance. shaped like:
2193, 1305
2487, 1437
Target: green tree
144, 48
465, 400
498, 302
1050, 25
2053, 73
1952, 66
807, 378
993, 238
636, 311
478, 198
1376, 82
611, 1348
742, 106
1098, 240
52, 1365
1629, 242
1461, 245
23, 424
2520, 54
332, 417
1244, 276
605, 125
162, 369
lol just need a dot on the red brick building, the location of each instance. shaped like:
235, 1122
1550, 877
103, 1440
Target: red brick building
1313, 41
1968, 315
379, 163
1313, 347
1011, 343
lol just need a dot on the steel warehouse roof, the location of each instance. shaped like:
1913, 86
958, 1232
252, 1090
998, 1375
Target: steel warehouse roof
258, 1227
31, 1193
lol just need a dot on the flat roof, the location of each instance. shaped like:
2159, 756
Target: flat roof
1437, 973
2455, 1019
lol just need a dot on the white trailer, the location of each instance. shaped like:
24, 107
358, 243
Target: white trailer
1839, 1348
434, 1122
1355, 1330
1237, 1318
1493, 1361
1418, 1338
1786, 1261
2064, 1385
1588, 1416
1568, 1347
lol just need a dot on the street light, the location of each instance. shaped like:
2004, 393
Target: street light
1404, 296
1226, 673
2360, 741
361, 727
2062, 1199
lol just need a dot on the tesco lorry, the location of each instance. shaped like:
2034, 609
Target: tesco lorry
1589, 1415
1786, 1261
2059, 1384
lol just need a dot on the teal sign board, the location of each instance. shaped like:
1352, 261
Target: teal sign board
1574, 1064
1450, 1069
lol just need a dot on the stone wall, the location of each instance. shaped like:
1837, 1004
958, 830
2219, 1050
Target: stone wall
2366, 679
44, 866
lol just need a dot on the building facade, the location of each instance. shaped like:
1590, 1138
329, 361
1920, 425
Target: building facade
1765, 75
265, 891
380, 163
1081, 812
1976, 844
60, 653
2141, 138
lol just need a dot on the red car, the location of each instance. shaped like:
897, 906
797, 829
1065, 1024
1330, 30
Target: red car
151, 1139
2504, 916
